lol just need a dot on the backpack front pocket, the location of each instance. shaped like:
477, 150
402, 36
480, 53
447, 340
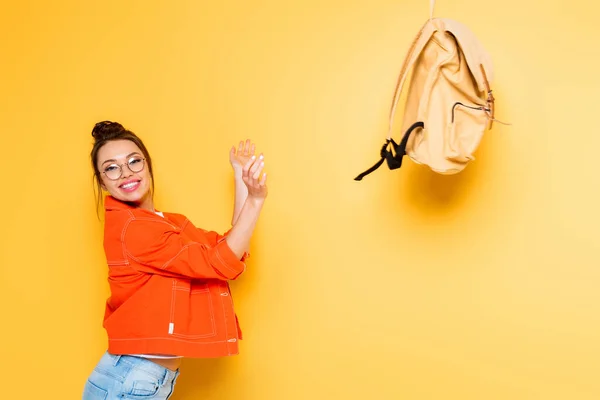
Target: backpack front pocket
464, 132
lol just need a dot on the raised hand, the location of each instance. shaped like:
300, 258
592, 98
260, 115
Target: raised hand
243, 154
254, 177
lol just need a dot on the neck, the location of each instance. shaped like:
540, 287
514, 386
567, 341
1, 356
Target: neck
147, 205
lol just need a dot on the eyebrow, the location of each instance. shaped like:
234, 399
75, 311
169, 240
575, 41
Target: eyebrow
113, 160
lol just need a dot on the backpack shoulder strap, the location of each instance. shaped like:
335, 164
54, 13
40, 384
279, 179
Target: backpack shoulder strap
417, 46
394, 161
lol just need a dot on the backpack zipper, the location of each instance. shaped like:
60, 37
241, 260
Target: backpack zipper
482, 108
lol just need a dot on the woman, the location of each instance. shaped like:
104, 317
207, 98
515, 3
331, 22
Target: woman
169, 287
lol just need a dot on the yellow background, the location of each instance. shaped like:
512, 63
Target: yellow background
407, 285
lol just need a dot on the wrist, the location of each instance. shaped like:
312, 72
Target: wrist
237, 170
255, 201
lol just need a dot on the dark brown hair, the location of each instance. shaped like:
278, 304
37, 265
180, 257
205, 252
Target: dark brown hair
105, 132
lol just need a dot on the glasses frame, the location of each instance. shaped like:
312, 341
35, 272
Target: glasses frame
128, 167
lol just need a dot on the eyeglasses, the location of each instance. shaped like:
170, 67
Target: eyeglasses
115, 171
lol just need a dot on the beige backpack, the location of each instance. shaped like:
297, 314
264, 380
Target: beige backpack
449, 103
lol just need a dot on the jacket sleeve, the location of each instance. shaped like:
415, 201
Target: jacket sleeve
216, 238
159, 248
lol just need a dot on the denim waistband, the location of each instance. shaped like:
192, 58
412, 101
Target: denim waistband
119, 366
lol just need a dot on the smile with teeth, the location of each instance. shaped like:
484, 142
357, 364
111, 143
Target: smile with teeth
130, 186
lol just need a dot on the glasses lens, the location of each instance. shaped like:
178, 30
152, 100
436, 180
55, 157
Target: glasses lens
112, 171
136, 164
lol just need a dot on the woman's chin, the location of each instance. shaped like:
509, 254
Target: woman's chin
132, 198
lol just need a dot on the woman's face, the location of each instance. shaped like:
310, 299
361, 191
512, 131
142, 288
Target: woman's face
124, 173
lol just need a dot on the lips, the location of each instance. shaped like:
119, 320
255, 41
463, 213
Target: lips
130, 186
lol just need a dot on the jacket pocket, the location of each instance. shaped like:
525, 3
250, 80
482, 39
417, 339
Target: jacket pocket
464, 132
192, 311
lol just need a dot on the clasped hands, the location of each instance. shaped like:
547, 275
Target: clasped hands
250, 167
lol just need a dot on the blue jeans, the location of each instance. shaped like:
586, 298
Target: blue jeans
126, 377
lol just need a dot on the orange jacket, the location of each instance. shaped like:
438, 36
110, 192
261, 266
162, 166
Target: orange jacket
169, 285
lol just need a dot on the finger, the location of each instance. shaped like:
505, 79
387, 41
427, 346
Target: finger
252, 149
256, 164
247, 147
263, 179
258, 171
247, 166
241, 147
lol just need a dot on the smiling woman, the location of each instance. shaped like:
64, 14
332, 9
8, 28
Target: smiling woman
170, 295
114, 148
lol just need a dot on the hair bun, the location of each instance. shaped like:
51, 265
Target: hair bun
106, 129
